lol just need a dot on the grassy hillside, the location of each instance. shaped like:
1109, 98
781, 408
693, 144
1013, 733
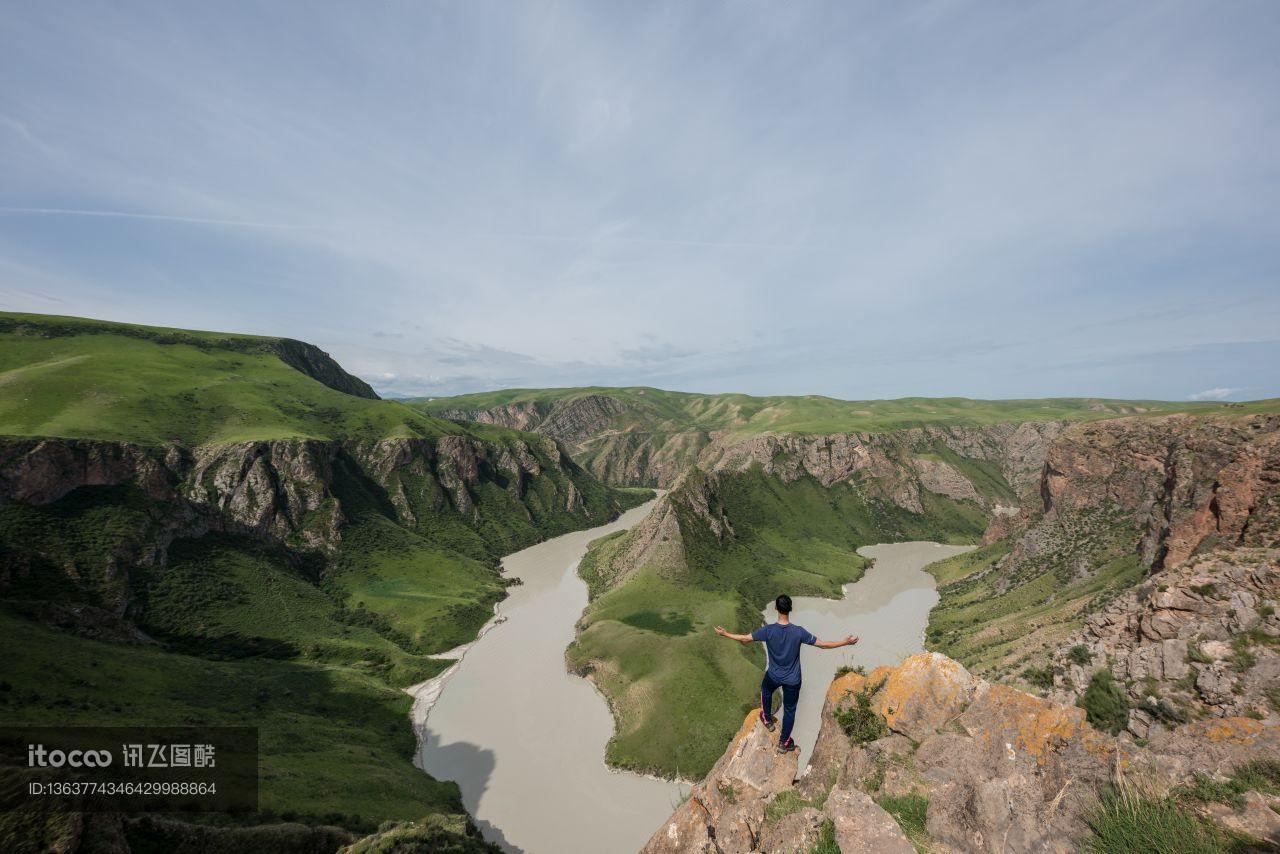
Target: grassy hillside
133, 602
648, 643
89, 379
988, 617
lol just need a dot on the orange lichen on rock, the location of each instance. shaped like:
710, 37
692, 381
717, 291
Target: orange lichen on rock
853, 682
1034, 725
923, 692
1242, 730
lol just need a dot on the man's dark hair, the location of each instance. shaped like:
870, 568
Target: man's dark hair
783, 604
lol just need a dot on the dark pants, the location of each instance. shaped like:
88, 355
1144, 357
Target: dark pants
790, 696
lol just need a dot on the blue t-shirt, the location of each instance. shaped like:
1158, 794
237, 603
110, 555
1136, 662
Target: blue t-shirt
783, 646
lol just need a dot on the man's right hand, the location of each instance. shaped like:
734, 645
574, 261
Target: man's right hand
850, 640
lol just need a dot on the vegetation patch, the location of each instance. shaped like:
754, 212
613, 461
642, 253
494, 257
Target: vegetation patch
992, 613
826, 843
1130, 822
861, 722
1259, 775
1079, 654
662, 623
910, 811
1105, 704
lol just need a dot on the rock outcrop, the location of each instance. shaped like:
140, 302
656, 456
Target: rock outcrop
1197, 639
642, 447
1188, 479
995, 769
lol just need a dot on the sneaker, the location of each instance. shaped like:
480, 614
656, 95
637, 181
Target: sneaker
787, 746
769, 723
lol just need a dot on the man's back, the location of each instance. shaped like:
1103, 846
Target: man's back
782, 642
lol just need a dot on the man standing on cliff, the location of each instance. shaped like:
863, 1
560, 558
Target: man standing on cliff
782, 642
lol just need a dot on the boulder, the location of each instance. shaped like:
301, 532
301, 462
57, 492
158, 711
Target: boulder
863, 825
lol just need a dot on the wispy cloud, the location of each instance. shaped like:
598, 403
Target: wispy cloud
160, 217
1215, 394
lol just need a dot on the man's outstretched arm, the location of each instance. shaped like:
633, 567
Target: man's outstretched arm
731, 636
847, 640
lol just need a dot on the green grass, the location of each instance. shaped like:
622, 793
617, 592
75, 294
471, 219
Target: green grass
910, 811
1104, 703
992, 614
783, 804
641, 670
826, 843
861, 722
1127, 822
86, 379
436, 834
334, 741
1258, 775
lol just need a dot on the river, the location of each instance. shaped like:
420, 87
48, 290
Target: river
525, 740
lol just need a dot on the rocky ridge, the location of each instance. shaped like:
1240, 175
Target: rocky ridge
994, 769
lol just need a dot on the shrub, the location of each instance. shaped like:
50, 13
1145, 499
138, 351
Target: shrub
1163, 709
1196, 654
1242, 657
1040, 677
1104, 703
1080, 655
860, 722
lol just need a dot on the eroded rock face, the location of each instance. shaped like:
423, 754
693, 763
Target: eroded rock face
595, 428
284, 492
1001, 770
1191, 479
894, 461
1191, 640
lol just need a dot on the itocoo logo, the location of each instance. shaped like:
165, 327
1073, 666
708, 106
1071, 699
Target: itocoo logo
39, 757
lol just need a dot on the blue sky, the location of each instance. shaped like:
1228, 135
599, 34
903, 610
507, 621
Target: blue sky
856, 199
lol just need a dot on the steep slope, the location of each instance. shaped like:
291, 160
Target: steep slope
237, 542
1118, 502
647, 436
1154, 554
